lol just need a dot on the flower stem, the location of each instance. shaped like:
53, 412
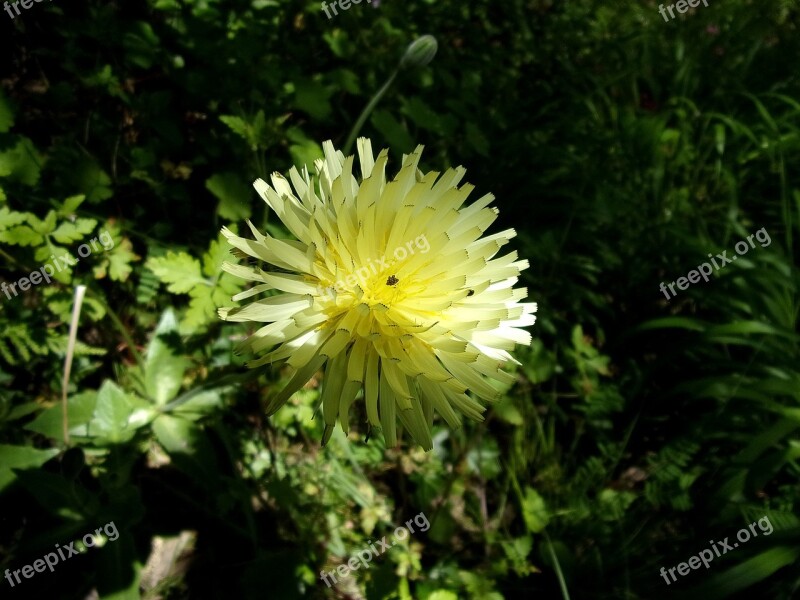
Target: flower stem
366, 112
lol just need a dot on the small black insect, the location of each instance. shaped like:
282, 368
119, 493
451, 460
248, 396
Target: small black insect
470, 292
392, 280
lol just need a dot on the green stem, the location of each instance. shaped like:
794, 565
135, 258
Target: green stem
366, 112
122, 329
236, 378
557, 567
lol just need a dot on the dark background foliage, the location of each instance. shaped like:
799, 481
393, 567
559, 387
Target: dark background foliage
624, 149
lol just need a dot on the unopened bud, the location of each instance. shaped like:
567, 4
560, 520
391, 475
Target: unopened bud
419, 52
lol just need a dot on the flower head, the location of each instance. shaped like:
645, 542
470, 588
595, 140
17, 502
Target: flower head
390, 285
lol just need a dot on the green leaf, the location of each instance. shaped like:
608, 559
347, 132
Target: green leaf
392, 131
237, 125
476, 139
423, 115
59, 496
10, 218
200, 405
233, 194
747, 573
312, 97
117, 415
70, 205
218, 252
6, 113
304, 150
23, 235
92, 181
20, 457
141, 45
508, 412
187, 446
164, 368
179, 270
443, 595
67, 232
119, 568
21, 163
534, 511
80, 409
116, 262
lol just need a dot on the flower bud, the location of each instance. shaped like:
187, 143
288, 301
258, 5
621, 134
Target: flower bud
419, 52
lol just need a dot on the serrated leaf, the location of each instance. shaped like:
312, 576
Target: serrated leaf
179, 271
116, 262
67, 232
10, 218
70, 205
22, 235
218, 252
236, 124
201, 311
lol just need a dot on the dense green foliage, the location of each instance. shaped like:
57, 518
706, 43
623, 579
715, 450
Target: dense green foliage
624, 150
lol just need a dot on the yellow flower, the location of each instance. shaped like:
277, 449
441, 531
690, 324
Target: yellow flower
391, 287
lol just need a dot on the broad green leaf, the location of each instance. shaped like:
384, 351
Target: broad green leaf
234, 196
187, 446
118, 567
397, 136
113, 418
20, 457
199, 405
164, 368
443, 595
80, 409
312, 97
58, 495
747, 573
